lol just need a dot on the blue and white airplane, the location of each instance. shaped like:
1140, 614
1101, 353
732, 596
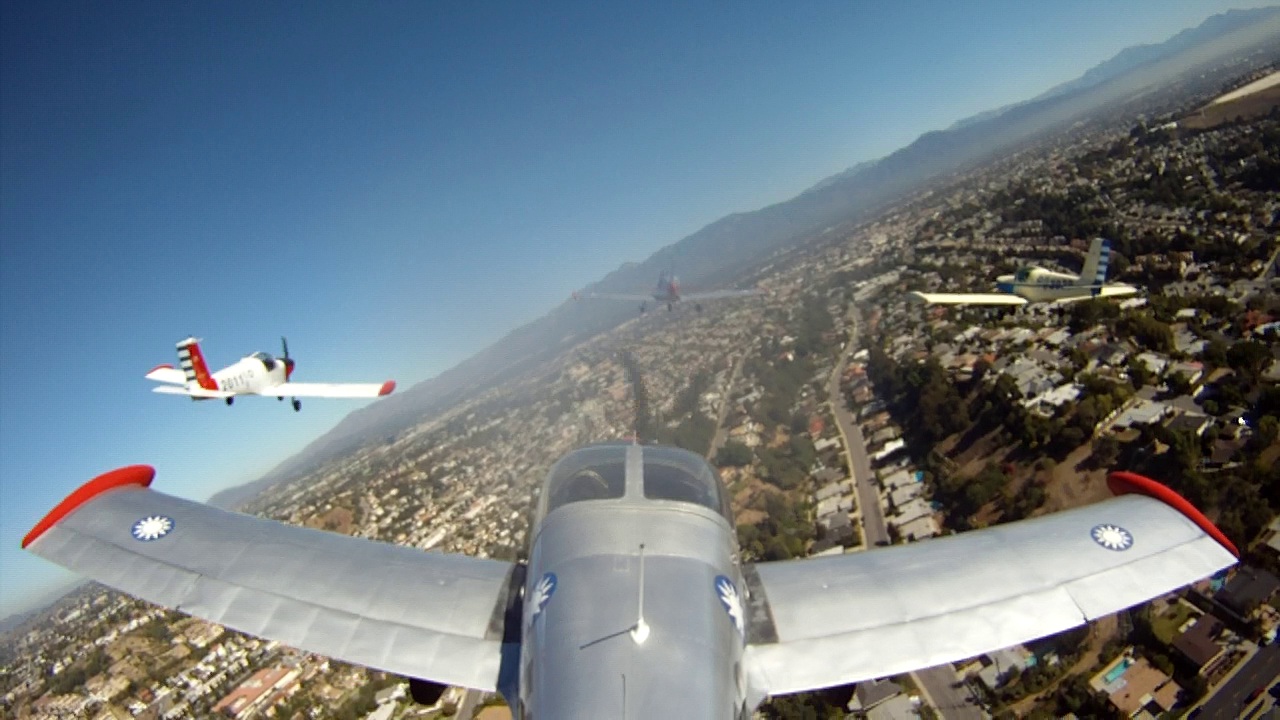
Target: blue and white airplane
1033, 284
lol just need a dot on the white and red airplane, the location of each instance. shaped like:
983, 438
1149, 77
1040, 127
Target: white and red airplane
256, 374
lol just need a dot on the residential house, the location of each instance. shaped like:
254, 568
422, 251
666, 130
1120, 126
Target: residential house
1001, 662
1190, 370
871, 693
1135, 688
1247, 589
1200, 644
1193, 423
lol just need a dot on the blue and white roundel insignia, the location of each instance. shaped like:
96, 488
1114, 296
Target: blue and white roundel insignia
152, 527
731, 601
1112, 537
542, 593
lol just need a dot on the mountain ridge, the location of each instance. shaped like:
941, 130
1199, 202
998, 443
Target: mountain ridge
739, 239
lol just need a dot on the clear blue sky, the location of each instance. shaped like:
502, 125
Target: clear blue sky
396, 185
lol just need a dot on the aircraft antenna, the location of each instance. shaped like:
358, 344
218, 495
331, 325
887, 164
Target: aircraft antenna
640, 632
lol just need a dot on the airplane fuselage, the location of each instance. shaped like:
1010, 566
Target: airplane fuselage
667, 292
1040, 285
250, 375
1035, 284
589, 648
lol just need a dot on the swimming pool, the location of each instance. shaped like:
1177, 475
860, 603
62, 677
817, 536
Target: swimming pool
1115, 672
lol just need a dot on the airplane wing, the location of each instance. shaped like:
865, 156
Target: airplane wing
837, 620
620, 296
1116, 290
330, 390
718, 294
166, 374
195, 392
1104, 291
433, 616
969, 298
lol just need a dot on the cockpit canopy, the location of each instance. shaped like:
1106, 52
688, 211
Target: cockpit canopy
266, 359
1022, 275
636, 473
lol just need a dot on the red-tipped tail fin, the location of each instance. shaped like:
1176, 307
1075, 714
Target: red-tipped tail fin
193, 365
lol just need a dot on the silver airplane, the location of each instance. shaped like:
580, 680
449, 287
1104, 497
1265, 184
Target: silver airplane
635, 601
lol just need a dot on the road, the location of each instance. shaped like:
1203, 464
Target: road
873, 527
936, 682
722, 433
952, 703
1260, 671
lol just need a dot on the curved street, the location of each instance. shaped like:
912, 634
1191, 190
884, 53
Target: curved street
872, 523
937, 684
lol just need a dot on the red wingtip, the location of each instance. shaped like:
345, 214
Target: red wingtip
1122, 482
387, 387
160, 367
129, 475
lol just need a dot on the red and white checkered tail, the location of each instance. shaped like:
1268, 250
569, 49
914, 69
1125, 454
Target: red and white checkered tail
191, 360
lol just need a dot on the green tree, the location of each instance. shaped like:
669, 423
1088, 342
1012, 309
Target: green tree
1139, 374
733, 454
1106, 450
1149, 332
1266, 432
1214, 353
1249, 357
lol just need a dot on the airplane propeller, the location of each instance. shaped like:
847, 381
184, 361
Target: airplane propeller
284, 357
288, 369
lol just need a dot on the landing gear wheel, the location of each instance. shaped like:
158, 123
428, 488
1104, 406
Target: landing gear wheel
670, 307
230, 400
297, 404
280, 399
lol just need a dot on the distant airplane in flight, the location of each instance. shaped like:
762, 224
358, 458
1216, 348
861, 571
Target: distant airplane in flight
667, 292
1034, 284
256, 374
635, 601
